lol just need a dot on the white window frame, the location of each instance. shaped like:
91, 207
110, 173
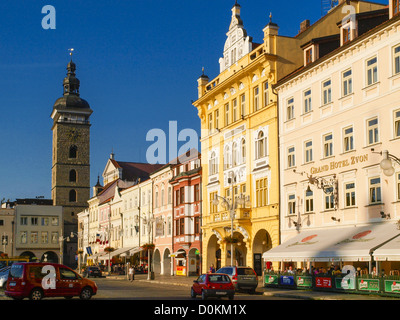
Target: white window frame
308, 201
396, 60
326, 92
374, 190
371, 73
308, 151
291, 201
374, 130
307, 100
328, 145
347, 82
350, 194
290, 109
348, 139
291, 157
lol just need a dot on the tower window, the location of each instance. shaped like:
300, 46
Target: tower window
72, 196
72, 176
72, 152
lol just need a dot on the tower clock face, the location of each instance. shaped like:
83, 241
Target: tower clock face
73, 135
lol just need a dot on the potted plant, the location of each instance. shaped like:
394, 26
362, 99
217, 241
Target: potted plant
230, 239
108, 249
148, 246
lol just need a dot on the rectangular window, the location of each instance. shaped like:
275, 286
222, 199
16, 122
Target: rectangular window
182, 195
348, 139
372, 131
54, 237
45, 221
350, 194
372, 71
234, 110
196, 225
397, 124
262, 192
396, 60
309, 56
177, 198
182, 225
243, 105
54, 221
23, 237
347, 81
398, 185
396, 7
328, 145
375, 190
329, 199
327, 92
216, 115
45, 237
346, 34
34, 237
34, 221
308, 154
213, 208
265, 93
291, 157
24, 221
290, 109
210, 122
256, 98
291, 204
227, 114
309, 202
197, 193
307, 101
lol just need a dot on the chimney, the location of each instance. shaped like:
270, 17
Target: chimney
304, 25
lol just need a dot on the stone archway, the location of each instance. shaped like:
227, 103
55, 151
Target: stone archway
167, 269
49, 256
157, 261
239, 251
28, 254
213, 253
262, 242
193, 262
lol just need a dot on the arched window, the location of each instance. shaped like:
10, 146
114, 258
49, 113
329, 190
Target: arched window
243, 151
235, 154
261, 145
72, 176
227, 158
72, 152
72, 196
213, 168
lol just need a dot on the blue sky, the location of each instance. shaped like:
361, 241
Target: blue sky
138, 62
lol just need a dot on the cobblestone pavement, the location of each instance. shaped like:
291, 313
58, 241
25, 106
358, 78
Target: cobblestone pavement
273, 292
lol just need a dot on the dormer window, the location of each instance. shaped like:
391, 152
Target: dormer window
309, 55
346, 35
348, 31
396, 7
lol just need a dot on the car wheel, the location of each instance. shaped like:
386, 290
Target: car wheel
193, 294
86, 293
36, 294
203, 295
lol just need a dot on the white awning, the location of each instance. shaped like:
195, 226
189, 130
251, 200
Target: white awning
335, 244
120, 251
134, 250
389, 251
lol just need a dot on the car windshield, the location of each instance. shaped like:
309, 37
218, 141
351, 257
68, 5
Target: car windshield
218, 278
245, 272
16, 270
226, 270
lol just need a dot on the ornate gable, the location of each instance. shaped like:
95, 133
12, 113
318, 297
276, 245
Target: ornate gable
237, 44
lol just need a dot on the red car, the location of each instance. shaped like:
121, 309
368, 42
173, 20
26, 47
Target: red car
213, 285
38, 280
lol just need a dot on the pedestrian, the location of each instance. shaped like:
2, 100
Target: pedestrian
212, 269
131, 273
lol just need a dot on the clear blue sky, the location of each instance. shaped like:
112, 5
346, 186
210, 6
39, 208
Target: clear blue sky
138, 62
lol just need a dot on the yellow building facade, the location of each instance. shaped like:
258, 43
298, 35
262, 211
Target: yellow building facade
239, 148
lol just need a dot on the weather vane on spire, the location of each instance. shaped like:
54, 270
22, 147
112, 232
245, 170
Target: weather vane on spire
71, 51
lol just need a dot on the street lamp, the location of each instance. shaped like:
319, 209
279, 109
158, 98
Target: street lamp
61, 241
231, 206
387, 162
329, 187
149, 222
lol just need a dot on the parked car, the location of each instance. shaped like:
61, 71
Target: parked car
38, 280
93, 272
4, 277
243, 278
213, 285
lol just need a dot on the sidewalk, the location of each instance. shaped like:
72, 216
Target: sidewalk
273, 292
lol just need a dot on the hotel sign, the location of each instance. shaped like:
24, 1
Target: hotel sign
340, 164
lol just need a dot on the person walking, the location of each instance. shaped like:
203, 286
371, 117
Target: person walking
131, 273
